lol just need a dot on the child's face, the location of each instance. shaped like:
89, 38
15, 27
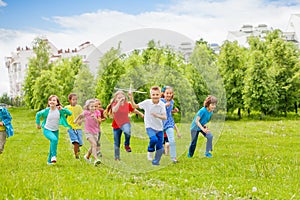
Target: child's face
73, 101
92, 107
120, 97
52, 102
98, 105
212, 106
155, 96
168, 94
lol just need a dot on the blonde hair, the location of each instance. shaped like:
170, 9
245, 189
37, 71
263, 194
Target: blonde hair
108, 110
88, 103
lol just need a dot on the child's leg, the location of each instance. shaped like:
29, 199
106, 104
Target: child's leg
126, 128
2, 140
171, 138
53, 137
76, 148
98, 143
117, 140
194, 135
93, 141
209, 137
153, 139
159, 148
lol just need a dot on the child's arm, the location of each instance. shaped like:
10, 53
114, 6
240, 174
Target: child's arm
177, 131
6, 119
38, 118
203, 128
79, 119
139, 113
160, 116
134, 105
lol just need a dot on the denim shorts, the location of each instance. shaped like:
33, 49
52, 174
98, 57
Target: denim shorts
75, 136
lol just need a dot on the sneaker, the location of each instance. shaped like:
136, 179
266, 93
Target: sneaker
174, 160
49, 163
117, 159
89, 160
99, 154
77, 156
127, 148
155, 163
189, 156
150, 156
53, 159
208, 155
97, 162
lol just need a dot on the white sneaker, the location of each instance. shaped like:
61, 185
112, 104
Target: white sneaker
150, 156
97, 162
89, 160
53, 159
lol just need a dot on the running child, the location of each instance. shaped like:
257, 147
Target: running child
6, 129
75, 132
155, 113
53, 116
199, 124
118, 109
91, 129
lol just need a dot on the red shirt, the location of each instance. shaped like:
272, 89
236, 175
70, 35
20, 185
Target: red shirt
121, 116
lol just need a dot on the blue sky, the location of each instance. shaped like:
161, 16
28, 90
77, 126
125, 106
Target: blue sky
69, 23
33, 13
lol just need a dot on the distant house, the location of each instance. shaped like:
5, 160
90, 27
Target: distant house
17, 63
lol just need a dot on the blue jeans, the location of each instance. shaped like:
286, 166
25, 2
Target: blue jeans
126, 128
171, 138
53, 137
156, 139
193, 144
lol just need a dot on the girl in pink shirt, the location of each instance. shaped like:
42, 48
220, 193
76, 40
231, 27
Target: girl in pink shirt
91, 128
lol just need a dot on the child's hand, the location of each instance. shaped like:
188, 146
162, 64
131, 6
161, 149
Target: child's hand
175, 110
179, 135
59, 107
38, 126
1, 124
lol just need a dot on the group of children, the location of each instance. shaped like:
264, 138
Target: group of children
158, 120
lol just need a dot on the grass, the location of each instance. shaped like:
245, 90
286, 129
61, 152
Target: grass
252, 160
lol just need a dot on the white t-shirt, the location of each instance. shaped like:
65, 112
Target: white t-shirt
52, 122
149, 107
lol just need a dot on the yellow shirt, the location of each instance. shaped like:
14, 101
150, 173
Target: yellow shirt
76, 110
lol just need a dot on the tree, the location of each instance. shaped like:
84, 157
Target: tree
110, 70
35, 68
232, 69
260, 89
84, 85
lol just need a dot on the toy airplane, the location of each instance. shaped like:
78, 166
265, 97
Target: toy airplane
130, 90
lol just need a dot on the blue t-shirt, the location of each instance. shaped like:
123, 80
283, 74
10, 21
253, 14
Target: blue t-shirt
169, 122
204, 118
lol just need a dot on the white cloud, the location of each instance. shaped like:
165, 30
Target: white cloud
2, 3
210, 20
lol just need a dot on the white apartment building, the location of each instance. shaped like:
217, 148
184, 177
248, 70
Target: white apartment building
17, 63
292, 33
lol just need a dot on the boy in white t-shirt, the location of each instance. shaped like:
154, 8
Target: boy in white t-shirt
155, 112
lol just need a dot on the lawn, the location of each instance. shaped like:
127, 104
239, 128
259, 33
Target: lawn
251, 160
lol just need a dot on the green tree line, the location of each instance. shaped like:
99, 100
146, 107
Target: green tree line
261, 78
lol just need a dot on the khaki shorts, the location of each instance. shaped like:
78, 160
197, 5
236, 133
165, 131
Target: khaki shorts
2, 140
94, 136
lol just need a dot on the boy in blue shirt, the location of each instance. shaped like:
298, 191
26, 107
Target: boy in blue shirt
6, 129
199, 124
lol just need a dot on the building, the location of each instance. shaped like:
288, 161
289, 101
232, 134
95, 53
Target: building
17, 63
292, 33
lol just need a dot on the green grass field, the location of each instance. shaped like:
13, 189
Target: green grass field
252, 160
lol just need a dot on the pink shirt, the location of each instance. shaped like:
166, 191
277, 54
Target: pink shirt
91, 124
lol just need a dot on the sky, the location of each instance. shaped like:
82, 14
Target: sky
69, 23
